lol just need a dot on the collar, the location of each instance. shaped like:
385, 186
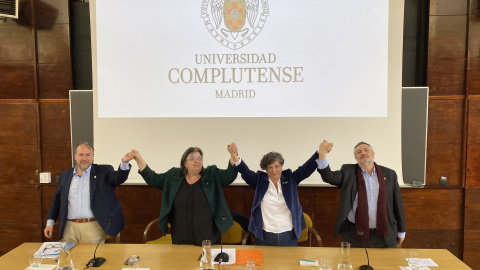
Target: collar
86, 171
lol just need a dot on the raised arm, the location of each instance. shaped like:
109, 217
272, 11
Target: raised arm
138, 158
324, 148
233, 150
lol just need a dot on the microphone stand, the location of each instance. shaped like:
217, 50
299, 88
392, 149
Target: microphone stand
222, 256
365, 267
96, 262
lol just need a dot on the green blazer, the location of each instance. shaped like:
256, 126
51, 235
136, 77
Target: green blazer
212, 182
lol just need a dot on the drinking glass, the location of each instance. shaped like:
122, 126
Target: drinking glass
414, 260
249, 265
35, 258
134, 262
325, 264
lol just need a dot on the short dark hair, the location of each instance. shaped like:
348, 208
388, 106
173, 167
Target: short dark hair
187, 152
270, 158
87, 144
360, 143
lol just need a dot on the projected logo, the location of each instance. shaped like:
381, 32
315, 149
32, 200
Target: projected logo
234, 23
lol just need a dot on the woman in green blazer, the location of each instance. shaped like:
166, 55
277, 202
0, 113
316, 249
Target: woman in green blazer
192, 199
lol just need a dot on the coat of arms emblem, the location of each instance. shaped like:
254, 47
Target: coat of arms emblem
234, 23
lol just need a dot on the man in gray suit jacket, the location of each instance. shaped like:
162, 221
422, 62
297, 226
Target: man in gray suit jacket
371, 205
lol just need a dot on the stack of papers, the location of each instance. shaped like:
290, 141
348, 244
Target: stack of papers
52, 249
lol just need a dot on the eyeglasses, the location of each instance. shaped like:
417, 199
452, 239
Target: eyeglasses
52, 248
193, 159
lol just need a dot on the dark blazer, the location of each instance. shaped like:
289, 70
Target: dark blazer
289, 181
346, 179
212, 182
103, 200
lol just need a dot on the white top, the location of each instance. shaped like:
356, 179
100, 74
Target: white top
277, 218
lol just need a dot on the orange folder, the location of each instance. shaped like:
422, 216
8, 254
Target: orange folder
243, 255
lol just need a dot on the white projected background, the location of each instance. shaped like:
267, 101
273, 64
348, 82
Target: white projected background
272, 76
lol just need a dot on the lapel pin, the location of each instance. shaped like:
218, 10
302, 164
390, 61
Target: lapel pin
95, 176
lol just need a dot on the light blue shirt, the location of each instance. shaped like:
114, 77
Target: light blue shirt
79, 195
372, 187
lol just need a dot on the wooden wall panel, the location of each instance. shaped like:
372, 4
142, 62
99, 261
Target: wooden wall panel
473, 83
472, 227
472, 209
470, 250
17, 82
446, 55
55, 81
18, 143
21, 215
448, 7
473, 79
473, 166
55, 72
234, 198
50, 12
421, 204
447, 36
14, 235
473, 121
17, 62
141, 204
445, 76
46, 200
445, 141
17, 45
325, 207
428, 238
473, 144
55, 134
445, 229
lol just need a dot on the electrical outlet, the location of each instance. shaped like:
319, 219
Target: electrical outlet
45, 177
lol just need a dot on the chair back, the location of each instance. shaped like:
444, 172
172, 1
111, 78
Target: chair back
166, 239
234, 235
310, 232
308, 221
109, 239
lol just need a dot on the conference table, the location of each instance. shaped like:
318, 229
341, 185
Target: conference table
186, 256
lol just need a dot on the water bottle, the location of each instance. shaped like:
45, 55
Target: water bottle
344, 263
64, 259
206, 262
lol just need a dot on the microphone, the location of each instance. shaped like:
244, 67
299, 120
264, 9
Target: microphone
364, 267
96, 262
222, 256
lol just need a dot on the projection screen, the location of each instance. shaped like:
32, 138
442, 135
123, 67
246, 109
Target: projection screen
269, 75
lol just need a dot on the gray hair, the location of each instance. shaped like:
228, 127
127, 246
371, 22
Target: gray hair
360, 143
270, 158
87, 144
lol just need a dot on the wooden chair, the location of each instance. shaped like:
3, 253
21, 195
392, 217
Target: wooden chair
235, 235
166, 239
309, 231
112, 239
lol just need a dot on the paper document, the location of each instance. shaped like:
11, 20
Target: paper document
231, 255
426, 262
52, 249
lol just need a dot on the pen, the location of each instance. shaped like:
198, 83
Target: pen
199, 257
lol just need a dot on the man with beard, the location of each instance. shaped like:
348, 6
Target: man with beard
85, 201
371, 205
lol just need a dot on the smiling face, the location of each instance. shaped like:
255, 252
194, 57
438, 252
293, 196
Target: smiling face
364, 155
83, 157
194, 163
274, 171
